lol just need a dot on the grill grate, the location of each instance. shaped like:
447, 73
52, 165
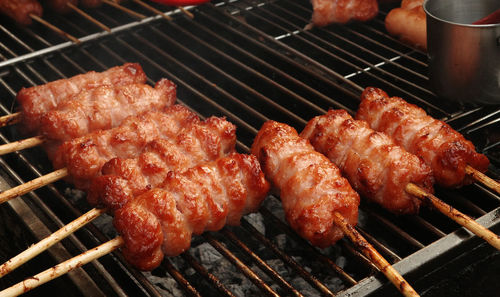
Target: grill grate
249, 61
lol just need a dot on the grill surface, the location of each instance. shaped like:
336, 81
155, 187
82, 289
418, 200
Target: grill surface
249, 61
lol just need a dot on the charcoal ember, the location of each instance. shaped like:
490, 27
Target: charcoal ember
279, 267
209, 256
105, 223
257, 221
229, 275
74, 195
274, 206
281, 241
303, 286
334, 283
341, 262
167, 286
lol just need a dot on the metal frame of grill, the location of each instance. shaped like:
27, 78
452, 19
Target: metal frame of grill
249, 61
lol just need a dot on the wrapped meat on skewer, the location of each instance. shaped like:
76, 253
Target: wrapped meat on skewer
309, 185
204, 198
327, 12
444, 150
20, 11
374, 165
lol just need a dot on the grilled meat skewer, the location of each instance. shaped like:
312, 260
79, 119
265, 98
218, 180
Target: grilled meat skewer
104, 107
326, 12
408, 23
84, 156
309, 185
204, 198
196, 143
38, 100
444, 150
20, 11
374, 165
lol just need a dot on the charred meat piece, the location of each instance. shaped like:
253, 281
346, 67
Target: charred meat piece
85, 156
443, 149
20, 10
204, 198
104, 107
374, 165
197, 143
38, 100
327, 12
311, 187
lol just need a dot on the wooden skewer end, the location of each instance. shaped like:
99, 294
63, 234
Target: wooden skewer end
368, 250
459, 217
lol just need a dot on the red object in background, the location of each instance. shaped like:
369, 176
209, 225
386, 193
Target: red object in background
180, 2
493, 18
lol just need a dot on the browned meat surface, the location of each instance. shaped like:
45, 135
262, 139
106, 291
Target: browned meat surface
326, 12
61, 6
84, 156
104, 107
408, 23
376, 167
204, 198
38, 100
310, 186
445, 150
19, 10
197, 143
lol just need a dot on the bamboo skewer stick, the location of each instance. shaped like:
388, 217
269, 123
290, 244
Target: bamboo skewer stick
88, 17
21, 145
55, 29
33, 185
62, 268
368, 250
412, 189
459, 217
10, 119
483, 179
151, 8
186, 12
49, 241
113, 244
124, 9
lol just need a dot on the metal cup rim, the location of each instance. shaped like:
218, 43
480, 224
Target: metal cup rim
429, 14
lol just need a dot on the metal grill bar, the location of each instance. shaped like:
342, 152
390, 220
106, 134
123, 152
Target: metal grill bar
213, 279
207, 57
256, 279
319, 44
307, 276
262, 264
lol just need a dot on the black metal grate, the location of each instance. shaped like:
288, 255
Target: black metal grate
249, 61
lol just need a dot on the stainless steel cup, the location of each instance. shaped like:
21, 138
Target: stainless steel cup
464, 59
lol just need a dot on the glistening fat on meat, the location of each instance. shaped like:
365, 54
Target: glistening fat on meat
38, 100
374, 165
310, 187
197, 143
104, 107
204, 198
85, 156
327, 12
443, 149
408, 22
